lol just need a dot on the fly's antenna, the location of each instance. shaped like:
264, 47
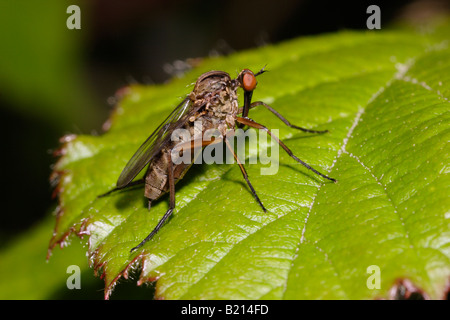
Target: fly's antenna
261, 71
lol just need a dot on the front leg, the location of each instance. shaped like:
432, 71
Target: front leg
244, 172
286, 122
249, 122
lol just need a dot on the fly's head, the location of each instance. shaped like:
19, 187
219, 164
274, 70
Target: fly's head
247, 79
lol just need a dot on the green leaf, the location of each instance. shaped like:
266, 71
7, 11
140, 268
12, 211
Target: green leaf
382, 95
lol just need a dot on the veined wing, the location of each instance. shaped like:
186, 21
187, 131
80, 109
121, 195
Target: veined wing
155, 142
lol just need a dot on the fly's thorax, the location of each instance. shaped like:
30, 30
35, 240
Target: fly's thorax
211, 81
224, 105
209, 85
216, 95
226, 102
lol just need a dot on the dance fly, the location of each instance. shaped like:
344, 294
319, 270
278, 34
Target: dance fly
214, 102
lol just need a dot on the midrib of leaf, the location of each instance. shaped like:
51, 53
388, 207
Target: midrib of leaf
338, 155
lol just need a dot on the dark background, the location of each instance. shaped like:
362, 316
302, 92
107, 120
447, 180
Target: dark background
55, 81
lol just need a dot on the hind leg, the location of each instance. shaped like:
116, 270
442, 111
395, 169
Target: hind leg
171, 205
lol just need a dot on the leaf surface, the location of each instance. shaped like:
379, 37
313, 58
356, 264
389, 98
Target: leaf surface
383, 96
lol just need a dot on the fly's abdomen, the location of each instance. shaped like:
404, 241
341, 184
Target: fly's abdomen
157, 176
156, 179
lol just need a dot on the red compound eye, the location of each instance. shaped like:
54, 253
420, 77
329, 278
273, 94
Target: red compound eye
248, 81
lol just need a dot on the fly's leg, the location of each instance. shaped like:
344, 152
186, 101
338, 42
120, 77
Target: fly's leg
171, 205
244, 173
249, 122
188, 145
286, 122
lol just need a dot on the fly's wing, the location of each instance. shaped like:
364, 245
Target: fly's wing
155, 142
